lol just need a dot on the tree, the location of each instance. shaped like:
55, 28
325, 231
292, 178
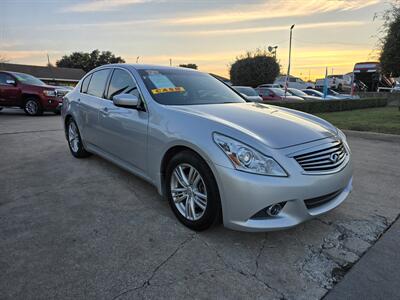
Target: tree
254, 68
3, 59
190, 66
88, 61
390, 43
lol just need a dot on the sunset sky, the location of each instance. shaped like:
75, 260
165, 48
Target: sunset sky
211, 34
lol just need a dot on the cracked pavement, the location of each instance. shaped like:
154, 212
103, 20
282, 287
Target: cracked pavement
74, 229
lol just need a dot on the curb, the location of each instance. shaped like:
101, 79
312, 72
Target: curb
392, 138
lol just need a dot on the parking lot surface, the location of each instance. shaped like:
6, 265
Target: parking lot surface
74, 229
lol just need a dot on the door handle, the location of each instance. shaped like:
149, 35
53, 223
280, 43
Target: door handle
104, 111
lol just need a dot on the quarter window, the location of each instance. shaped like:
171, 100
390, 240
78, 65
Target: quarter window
85, 84
121, 83
98, 83
4, 77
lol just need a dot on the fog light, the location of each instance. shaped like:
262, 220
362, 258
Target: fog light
274, 210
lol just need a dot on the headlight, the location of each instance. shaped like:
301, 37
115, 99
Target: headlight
342, 135
49, 93
247, 159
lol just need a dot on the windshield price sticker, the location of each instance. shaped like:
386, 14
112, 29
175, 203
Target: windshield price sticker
176, 89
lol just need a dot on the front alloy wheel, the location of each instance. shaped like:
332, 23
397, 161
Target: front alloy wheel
192, 191
188, 192
32, 107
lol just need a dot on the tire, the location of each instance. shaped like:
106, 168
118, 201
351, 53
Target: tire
32, 107
194, 211
75, 141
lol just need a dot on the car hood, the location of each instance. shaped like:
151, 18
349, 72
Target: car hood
312, 98
275, 127
291, 97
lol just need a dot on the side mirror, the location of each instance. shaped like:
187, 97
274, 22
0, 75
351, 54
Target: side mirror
126, 100
10, 81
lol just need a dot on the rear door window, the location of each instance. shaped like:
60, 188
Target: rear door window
98, 82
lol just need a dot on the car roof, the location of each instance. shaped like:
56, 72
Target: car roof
148, 67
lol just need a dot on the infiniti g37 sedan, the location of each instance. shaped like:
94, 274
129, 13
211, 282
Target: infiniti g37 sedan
213, 155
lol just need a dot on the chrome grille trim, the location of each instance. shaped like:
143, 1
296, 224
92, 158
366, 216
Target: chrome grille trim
318, 160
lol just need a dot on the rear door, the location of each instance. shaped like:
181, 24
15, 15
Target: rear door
10, 94
90, 102
123, 131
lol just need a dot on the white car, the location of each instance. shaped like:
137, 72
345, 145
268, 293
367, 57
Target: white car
294, 82
336, 82
270, 85
316, 93
250, 94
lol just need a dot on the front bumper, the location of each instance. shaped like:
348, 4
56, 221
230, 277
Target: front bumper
243, 195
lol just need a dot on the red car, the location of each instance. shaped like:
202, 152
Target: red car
30, 93
276, 94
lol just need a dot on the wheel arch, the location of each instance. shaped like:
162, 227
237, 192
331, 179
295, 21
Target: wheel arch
174, 150
26, 96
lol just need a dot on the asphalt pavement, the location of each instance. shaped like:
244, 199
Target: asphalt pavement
85, 229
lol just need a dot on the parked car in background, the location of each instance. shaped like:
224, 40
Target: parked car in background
336, 82
275, 94
319, 94
294, 82
249, 93
342, 96
256, 167
270, 85
29, 93
299, 93
396, 87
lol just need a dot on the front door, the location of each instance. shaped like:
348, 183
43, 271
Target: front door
123, 131
10, 94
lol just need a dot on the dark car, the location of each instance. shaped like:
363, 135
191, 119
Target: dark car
29, 93
275, 94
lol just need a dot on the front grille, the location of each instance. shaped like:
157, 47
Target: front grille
317, 201
327, 158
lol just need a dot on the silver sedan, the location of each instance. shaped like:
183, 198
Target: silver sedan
214, 157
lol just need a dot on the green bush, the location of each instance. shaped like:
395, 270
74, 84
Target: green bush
321, 106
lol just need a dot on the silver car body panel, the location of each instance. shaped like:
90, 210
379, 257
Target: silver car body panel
139, 140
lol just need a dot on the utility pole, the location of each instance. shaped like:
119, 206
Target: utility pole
290, 56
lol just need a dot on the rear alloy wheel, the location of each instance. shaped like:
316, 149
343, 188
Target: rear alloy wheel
32, 107
192, 191
75, 141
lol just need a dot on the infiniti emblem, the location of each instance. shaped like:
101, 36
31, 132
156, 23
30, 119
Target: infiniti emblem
334, 157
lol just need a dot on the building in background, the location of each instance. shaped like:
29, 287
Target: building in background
50, 75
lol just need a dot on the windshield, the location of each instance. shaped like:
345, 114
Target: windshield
28, 79
298, 93
248, 91
318, 93
332, 92
279, 92
182, 87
